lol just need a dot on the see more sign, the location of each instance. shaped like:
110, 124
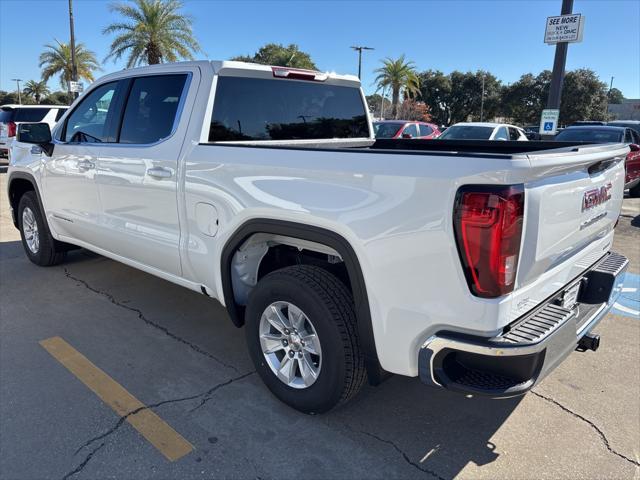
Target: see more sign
565, 28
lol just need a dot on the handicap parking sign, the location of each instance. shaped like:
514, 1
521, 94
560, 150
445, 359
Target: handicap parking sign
549, 121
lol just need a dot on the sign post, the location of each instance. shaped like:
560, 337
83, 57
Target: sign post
76, 87
560, 31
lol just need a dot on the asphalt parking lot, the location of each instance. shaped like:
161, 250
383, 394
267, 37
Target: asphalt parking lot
66, 332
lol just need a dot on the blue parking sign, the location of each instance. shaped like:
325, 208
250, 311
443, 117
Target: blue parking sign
548, 126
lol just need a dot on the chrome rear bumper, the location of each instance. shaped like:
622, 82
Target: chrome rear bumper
531, 347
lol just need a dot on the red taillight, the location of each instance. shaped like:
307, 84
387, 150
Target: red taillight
488, 229
11, 129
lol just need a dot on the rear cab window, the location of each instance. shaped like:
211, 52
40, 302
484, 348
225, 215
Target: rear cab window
253, 109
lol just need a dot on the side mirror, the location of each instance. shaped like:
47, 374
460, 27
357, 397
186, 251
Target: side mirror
634, 148
37, 134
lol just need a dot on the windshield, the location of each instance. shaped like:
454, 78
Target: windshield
595, 135
386, 129
466, 132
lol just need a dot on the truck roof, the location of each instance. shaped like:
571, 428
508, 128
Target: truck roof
232, 68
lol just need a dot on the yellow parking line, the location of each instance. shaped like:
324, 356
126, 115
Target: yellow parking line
160, 434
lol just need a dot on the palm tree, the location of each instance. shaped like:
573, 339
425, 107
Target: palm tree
57, 61
36, 90
155, 32
401, 76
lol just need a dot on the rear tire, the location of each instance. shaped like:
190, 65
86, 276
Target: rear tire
635, 191
311, 300
41, 248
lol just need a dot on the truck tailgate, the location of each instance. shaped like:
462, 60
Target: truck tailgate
572, 200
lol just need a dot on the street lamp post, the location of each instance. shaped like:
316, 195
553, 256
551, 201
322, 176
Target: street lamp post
359, 49
18, 80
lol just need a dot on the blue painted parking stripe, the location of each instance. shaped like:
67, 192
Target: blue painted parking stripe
628, 303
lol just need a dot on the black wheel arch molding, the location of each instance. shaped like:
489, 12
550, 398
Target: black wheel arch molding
318, 235
13, 203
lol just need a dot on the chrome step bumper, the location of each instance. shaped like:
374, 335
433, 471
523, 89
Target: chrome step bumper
531, 347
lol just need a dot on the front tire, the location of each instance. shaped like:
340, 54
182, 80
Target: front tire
302, 337
40, 247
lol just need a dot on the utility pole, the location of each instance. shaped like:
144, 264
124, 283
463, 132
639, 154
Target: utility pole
559, 62
18, 80
482, 100
359, 49
72, 45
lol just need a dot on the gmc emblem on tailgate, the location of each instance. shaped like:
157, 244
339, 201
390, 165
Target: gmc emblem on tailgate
597, 196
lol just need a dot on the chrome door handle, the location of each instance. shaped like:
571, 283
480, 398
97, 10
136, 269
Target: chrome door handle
86, 165
160, 172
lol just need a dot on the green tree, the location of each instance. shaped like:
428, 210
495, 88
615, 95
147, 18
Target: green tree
56, 60
58, 98
280, 56
465, 99
584, 97
154, 31
524, 100
435, 91
400, 75
615, 96
36, 90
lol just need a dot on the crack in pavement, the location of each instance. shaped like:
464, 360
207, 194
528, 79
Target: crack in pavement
207, 394
84, 463
397, 449
604, 438
151, 323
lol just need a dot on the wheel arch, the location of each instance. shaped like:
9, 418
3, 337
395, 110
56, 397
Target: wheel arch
20, 183
312, 234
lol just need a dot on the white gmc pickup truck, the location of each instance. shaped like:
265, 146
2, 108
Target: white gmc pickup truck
475, 266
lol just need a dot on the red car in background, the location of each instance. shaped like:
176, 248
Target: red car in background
608, 134
405, 129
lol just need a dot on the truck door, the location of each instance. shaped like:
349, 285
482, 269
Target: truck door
137, 176
70, 193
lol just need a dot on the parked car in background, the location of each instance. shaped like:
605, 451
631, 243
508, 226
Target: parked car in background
532, 132
405, 129
484, 131
634, 124
611, 134
12, 115
579, 123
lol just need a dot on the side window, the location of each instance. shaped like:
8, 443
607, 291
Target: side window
502, 134
628, 138
59, 113
514, 135
151, 108
635, 137
30, 114
410, 129
88, 122
425, 130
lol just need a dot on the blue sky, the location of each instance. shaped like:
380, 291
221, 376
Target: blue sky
503, 36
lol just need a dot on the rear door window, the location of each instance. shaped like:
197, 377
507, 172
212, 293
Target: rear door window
425, 130
273, 109
411, 131
151, 108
